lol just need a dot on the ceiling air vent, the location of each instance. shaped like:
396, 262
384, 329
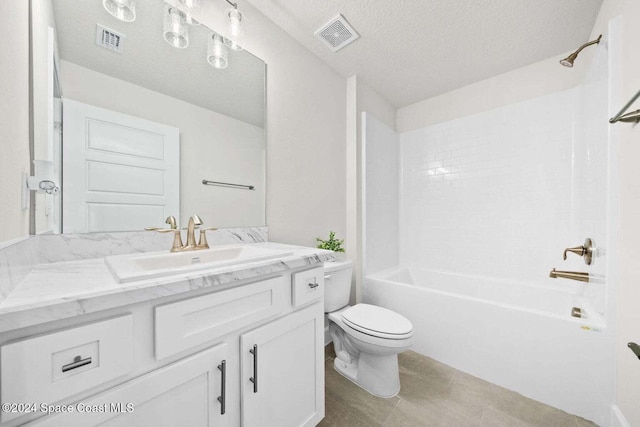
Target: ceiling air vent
337, 33
109, 39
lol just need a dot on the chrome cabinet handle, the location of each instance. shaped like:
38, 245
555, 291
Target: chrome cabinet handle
78, 361
313, 285
223, 386
254, 378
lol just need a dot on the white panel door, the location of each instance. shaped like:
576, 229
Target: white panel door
283, 371
121, 173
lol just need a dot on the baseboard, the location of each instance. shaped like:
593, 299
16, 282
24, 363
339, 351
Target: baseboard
617, 418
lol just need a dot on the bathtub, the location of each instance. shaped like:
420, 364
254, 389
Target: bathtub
519, 336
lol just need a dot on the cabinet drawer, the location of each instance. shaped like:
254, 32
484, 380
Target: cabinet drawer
185, 324
48, 368
184, 393
308, 286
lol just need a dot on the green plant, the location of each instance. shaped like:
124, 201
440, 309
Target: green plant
332, 244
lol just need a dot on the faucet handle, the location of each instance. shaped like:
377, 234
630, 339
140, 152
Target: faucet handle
203, 237
171, 220
585, 251
177, 238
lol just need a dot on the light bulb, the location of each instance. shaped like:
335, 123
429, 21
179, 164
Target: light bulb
217, 54
124, 10
235, 40
192, 10
176, 32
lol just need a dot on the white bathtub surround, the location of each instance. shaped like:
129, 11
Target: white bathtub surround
382, 160
617, 418
487, 204
523, 342
53, 291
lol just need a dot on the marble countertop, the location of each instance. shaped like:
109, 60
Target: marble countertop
61, 290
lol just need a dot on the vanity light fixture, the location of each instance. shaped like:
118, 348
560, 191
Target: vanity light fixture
176, 32
192, 9
235, 40
124, 10
217, 53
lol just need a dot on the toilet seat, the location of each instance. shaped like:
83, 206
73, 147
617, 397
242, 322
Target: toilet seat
378, 322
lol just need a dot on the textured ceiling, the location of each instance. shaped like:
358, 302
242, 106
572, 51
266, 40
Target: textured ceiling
411, 50
148, 61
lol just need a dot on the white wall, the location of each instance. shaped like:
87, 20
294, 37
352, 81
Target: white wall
306, 131
382, 181
538, 79
43, 18
212, 146
43, 114
360, 98
627, 366
14, 117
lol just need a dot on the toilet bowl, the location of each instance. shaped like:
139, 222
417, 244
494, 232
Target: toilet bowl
367, 338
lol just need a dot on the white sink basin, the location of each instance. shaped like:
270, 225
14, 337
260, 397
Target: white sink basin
127, 268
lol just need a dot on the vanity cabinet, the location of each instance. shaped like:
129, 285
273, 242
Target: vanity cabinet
250, 355
50, 367
283, 371
185, 393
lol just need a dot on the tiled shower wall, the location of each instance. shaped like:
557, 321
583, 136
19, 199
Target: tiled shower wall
490, 194
501, 193
498, 194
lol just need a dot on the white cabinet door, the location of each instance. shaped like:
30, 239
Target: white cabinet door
282, 376
185, 393
121, 173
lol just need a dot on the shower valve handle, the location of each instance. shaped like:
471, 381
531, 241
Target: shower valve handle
577, 250
585, 251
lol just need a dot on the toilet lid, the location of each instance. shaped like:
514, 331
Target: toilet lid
378, 321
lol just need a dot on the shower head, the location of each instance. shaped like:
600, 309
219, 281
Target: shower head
568, 61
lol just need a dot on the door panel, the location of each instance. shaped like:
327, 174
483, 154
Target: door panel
289, 371
121, 173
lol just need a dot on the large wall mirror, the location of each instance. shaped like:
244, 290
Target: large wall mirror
127, 128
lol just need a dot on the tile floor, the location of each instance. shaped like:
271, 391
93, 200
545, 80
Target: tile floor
434, 394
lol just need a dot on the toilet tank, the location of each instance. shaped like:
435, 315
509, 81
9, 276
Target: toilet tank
337, 285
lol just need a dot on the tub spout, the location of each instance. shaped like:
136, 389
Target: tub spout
573, 275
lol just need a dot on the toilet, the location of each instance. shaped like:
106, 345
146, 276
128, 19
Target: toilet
366, 338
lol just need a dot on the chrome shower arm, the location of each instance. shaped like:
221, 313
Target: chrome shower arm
596, 41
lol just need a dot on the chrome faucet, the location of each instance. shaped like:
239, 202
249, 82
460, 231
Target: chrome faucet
194, 222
